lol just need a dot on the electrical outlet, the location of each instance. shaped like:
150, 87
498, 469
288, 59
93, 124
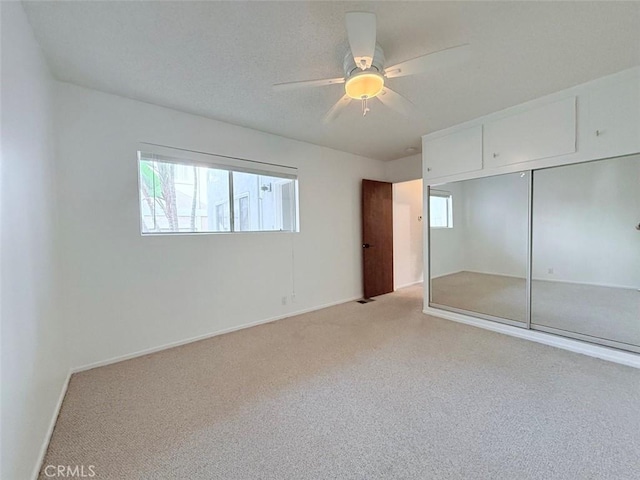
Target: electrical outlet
550, 271
284, 300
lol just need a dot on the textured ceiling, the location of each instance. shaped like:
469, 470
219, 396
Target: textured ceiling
219, 59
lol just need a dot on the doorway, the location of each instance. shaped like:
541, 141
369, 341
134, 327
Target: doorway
408, 227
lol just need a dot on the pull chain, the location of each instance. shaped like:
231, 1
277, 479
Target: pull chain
365, 108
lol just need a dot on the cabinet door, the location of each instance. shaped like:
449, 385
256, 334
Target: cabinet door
614, 119
458, 152
542, 132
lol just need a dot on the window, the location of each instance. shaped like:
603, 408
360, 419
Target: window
178, 196
263, 202
440, 209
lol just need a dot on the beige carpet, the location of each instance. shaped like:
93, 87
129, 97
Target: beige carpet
374, 391
497, 295
601, 312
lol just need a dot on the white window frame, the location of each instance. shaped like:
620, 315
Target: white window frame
149, 151
278, 187
449, 197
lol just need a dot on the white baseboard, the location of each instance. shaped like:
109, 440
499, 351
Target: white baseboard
405, 285
52, 424
497, 274
544, 279
178, 343
592, 284
592, 350
477, 271
446, 274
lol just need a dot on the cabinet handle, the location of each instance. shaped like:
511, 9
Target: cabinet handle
496, 155
428, 169
599, 132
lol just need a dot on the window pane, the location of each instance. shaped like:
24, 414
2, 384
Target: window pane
183, 198
440, 211
179, 197
263, 203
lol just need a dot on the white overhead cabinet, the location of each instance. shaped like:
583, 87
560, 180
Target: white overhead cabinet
614, 118
457, 152
595, 120
542, 132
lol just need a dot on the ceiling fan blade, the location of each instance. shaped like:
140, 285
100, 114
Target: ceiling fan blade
431, 61
307, 83
361, 30
396, 102
337, 109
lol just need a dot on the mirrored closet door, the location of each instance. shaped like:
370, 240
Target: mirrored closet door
586, 251
555, 249
478, 233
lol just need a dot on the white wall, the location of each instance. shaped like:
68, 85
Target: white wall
407, 233
75, 224
494, 219
404, 169
123, 293
584, 219
447, 244
34, 361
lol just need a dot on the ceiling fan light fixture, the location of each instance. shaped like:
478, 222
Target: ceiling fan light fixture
364, 85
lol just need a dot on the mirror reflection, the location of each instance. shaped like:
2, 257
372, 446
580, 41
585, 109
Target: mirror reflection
586, 250
479, 242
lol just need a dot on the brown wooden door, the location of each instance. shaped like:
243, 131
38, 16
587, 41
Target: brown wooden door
377, 237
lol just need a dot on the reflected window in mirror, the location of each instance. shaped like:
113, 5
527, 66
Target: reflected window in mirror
440, 209
480, 264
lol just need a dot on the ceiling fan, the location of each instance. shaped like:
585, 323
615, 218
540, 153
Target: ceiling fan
365, 73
